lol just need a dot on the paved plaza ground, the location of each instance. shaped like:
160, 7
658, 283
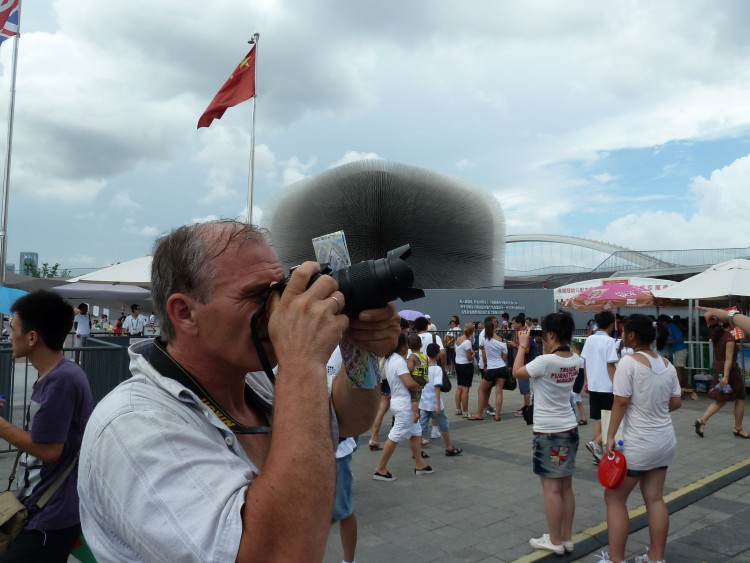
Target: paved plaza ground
484, 505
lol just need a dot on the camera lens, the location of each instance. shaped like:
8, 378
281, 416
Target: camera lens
374, 283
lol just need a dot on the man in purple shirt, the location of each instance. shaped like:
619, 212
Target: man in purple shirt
54, 422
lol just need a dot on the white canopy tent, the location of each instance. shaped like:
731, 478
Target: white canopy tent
133, 272
720, 281
103, 291
717, 282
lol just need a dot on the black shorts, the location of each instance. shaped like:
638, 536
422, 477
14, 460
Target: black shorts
599, 402
492, 375
578, 383
464, 374
642, 472
385, 388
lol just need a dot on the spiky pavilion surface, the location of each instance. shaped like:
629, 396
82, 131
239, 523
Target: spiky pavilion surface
457, 233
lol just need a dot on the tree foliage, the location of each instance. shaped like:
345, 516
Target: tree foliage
46, 271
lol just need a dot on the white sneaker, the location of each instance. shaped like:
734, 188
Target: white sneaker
645, 559
435, 432
596, 450
569, 546
545, 544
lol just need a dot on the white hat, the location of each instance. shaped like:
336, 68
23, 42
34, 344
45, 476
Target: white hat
427, 317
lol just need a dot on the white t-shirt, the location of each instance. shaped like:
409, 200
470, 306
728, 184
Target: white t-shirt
395, 367
427, 339
461, 350
428, 402
553, 379
494, 350
84, 324
648, 436
599, 351
132, 325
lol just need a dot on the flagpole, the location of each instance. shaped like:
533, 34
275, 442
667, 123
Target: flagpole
8, 148
251, 173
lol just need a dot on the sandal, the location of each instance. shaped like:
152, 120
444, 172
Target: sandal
497, 419
583, 422
375, 446
424, 456
740, 433
453, 452
699, 427
425, 442
472, 417
459, 412
464, 415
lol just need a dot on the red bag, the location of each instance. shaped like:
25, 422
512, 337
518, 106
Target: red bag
612, 470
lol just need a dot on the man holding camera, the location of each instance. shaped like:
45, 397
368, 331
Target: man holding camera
194, 458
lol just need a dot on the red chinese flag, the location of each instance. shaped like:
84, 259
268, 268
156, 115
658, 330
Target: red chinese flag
239, 87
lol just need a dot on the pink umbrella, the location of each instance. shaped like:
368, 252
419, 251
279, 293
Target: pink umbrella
611, 296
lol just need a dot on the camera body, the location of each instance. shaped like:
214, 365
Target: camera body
372, 284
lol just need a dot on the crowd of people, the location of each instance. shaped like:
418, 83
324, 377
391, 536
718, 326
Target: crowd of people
204, 425
623, 368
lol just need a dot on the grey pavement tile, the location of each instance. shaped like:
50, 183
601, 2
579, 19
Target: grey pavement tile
721, 504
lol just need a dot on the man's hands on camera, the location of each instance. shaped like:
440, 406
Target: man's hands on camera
375, 330
305, 325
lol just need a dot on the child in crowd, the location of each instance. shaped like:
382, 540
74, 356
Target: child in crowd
431, 405
417, 364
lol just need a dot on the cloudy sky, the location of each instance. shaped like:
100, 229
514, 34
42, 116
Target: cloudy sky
626, 122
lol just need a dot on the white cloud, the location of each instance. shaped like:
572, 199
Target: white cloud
354, 156
604, 178
122, 200
722, 204
293, 170
465, 164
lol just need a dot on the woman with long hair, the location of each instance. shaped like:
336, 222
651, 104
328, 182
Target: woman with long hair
726, 371
555, 442
646, 390
464, 369
495, 357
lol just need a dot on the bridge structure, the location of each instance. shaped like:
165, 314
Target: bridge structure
547, 260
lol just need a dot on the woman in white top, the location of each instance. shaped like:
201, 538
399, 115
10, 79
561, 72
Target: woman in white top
646, 390
494, 352
405, 425
555, 441
464, 369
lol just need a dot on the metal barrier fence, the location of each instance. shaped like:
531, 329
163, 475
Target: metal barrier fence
104, 360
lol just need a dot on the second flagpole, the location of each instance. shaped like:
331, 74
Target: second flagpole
251, 172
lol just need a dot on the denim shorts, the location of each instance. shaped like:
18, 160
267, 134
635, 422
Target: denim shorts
426, 416
524, 386
343, 505
554, 455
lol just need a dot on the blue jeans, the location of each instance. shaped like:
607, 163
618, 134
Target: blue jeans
524, 386
343, 504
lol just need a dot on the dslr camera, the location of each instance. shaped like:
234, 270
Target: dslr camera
374, 283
